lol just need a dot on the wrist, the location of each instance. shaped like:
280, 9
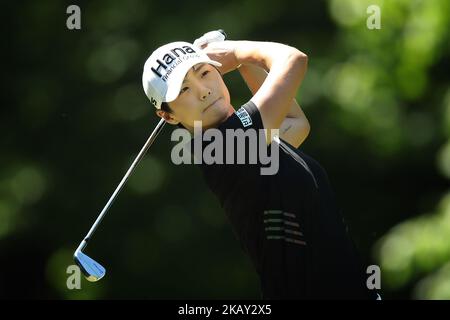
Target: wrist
237, 63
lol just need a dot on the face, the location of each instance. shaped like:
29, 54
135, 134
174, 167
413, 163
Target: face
203, 97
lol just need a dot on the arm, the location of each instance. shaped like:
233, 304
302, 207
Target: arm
295, 127
287, 67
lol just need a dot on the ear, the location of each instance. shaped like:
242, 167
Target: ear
167, 116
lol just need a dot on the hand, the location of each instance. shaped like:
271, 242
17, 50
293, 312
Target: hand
223, 52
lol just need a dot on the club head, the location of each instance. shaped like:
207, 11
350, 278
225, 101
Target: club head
93, 270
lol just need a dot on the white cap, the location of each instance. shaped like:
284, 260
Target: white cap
165, 69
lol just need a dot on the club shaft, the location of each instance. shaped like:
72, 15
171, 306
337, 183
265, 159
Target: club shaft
141, 154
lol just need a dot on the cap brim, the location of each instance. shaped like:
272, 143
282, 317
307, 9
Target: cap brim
176, 79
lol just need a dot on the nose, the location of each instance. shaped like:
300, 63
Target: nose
204, 93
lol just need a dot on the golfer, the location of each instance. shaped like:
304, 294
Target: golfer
288, 221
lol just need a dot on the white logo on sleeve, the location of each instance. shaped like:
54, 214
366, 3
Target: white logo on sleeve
244, 117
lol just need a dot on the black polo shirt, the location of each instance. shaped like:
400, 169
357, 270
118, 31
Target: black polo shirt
288, 223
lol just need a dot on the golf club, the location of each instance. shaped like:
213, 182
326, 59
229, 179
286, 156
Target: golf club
93, 270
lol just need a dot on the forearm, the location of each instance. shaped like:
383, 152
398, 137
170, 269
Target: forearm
266, 55
254, 77
286, 68
295, 127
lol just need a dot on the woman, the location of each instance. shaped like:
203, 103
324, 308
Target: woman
287, 222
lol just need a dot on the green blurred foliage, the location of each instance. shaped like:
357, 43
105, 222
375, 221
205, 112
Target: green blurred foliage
75, 116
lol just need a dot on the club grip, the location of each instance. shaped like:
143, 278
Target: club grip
211, 36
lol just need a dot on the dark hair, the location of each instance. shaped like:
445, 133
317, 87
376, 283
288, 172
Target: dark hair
165, 107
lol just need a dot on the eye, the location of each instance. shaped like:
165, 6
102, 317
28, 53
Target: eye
204, 73
184, 90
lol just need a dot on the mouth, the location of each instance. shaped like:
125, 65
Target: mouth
210, 105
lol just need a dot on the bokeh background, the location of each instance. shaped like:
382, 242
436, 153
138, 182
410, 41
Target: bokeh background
74, 116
